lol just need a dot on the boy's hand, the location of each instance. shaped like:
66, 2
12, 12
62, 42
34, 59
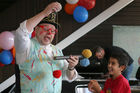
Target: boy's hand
94, 86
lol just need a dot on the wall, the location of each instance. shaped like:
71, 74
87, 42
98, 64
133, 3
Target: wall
128, 37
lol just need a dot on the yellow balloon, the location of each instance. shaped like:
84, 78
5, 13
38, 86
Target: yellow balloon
87, 53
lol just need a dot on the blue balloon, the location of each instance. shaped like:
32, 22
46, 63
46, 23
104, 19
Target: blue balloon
6, 57
84, 62
80, 14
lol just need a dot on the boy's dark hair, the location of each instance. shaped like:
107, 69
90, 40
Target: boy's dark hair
122, 58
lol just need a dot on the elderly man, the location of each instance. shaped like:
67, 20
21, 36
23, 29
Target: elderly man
39, 72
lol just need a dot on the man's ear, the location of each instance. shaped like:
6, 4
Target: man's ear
122, 67
36, 28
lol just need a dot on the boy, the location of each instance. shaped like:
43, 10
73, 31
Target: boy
103, 55
117, 83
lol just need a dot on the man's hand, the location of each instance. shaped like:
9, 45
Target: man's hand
52, 7
73, 61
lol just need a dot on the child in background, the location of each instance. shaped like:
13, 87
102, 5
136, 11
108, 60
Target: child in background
117, 83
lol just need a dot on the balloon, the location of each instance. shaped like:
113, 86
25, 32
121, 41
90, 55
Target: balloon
80, 14
6, 40
72, 1
13, 32
87, 53
84, 62
6, 57
1, 65
69, 8
88, 4
13, 51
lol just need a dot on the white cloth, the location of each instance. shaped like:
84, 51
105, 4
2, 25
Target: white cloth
22, 46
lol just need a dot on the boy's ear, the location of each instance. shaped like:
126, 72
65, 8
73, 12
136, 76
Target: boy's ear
122, 67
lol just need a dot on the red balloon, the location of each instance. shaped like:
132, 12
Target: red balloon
13, 51
69, 8
1, 65
57, 73
13, 62
88, 4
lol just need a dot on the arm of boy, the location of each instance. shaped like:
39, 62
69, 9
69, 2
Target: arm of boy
94, 86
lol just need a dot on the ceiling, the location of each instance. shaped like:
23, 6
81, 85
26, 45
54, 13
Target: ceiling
4, 4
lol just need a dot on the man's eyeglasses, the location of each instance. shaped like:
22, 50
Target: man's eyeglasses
49, 31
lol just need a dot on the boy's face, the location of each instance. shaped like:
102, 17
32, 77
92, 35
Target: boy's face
114, 68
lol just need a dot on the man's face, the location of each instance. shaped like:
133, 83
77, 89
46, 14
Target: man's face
45, 33
100, 55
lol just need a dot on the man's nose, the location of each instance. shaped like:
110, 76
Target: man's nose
48, 32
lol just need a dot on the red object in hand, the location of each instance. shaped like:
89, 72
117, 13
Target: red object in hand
57, 73
13, 62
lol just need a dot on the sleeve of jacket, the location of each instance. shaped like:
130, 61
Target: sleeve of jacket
22, 42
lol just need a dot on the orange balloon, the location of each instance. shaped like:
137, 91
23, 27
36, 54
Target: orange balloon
69, 8
13, 51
